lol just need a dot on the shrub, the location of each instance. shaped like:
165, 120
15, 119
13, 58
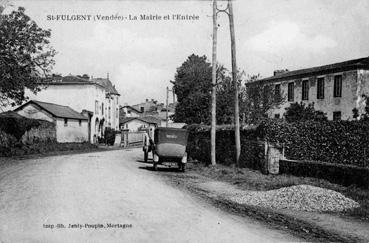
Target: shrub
17, 126
300, 112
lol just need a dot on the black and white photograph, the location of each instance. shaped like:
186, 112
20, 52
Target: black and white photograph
184, 121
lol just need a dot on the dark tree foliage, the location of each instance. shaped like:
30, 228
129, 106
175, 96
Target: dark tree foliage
259, 98
25, 56
301, 112
225, 97
193, 89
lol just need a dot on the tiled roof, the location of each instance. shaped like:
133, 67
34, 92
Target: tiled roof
69, 80
56, 110
109, 87
147, 119
335, 67
130, 107
150, 119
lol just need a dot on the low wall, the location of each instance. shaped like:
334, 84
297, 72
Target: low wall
341, 174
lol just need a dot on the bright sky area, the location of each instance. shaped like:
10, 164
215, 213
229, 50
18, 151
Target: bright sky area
142, 56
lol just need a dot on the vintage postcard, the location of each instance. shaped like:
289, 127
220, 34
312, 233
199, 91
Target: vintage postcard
184, 121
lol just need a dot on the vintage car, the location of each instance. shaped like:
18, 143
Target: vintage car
169, 146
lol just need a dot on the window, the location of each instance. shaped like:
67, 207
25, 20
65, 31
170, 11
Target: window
291, 87
277, 90
96, 107
102, 109
80, 122
336, 115
277, 116
337, 89
305, 89
109, 112
142, 109
116, 112
65, 122
320, 89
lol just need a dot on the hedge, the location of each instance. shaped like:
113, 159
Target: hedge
199, 148
338, 142
17, 126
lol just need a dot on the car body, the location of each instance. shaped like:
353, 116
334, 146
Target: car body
169, 146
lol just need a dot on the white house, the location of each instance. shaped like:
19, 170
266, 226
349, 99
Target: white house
97, 98
70, 125
134, 124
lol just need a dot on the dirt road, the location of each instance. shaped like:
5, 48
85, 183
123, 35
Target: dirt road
108, 197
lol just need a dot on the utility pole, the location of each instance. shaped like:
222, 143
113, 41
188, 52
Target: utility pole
235, 81
214, 88
166, 115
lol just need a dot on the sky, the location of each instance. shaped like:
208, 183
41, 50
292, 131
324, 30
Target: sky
141, 56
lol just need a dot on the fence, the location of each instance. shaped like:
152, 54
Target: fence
133, 139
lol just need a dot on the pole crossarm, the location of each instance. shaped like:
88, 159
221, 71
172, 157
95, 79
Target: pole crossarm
226, 10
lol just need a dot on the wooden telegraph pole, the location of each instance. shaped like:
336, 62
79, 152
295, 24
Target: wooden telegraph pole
235, 81
214, 88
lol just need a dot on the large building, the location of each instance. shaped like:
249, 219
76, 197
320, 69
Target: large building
336, 89
96, 98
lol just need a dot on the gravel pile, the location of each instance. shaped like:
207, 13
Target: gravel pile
301, 197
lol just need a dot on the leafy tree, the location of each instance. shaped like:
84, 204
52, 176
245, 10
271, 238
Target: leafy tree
26, 57
193, 86
301, 112
259, 98
193, 89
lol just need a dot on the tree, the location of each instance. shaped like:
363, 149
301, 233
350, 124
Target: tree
258, 99
193, 86
26, 58
301, 112
193, 89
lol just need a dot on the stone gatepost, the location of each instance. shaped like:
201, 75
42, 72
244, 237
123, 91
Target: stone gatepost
273, 153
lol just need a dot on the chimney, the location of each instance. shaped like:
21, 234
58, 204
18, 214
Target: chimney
280, 71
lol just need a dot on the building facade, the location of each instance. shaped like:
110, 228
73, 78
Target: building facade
97, 98
335, 89
135, 124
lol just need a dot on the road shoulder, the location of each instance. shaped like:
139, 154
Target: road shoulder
311, 226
